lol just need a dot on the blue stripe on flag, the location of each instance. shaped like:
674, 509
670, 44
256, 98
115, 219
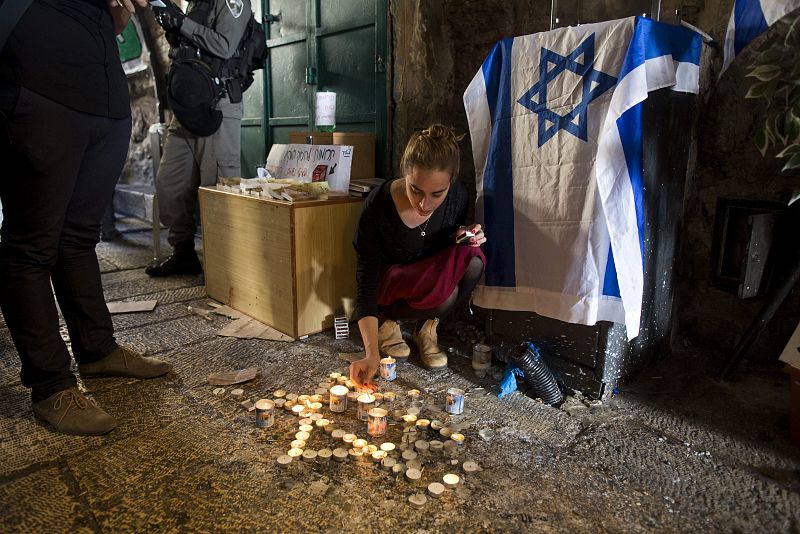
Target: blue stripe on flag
652, 39
630, 132
610, 280
498, 185
749, 22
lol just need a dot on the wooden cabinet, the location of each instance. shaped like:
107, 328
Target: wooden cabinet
289, 265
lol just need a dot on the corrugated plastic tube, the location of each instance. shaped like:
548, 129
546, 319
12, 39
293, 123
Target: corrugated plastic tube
538, 376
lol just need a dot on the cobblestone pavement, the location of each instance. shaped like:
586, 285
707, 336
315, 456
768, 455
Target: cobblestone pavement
675, 451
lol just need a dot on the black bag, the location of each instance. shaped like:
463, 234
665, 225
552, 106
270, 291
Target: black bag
251, 54
193, 90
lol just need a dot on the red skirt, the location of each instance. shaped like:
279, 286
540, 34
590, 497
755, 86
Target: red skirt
427, 283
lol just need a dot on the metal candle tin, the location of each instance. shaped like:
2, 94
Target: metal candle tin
338, 402
365, 403
377, 419
265, 416
388, 368
455, 401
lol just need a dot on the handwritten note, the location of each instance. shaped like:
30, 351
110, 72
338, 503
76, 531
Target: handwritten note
312, 163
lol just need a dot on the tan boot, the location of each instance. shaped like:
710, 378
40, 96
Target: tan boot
427, 342
390, 340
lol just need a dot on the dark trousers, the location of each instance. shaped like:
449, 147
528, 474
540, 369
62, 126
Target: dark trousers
60, 169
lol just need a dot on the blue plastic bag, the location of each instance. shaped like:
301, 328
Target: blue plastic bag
508, 384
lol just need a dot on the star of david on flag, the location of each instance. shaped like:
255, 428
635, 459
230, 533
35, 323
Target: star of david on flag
556, 128
594, 83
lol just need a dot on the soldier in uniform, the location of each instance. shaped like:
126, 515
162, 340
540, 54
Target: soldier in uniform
203, 140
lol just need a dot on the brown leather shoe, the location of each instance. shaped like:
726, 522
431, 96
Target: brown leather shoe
427, 342
69, 412
390, 340
125, 362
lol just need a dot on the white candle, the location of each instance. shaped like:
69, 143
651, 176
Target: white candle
413, 475
409, 454
295, 452
322, 423
388, 446
291, 397
279, 393
417, 500
423, 424
335, 376
436, 425
421, 445
389, 396
446, 431
338, 433
316, 416
315, 407
435, 489
378, 456
356, 454
414, 464
324, 454
436, 445
284, 459
471, 467
309, 455
338, 402
457, 438
451, 480
365, 403
388, 463
349, 438
302, 436
339, 454
305, 421
298, 444
359, 443
297, 409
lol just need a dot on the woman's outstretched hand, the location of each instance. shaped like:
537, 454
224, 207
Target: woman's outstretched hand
477, 238
362, 371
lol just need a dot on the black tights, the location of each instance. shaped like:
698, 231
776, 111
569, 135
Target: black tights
401, 311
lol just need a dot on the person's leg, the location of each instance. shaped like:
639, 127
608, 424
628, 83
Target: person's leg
42, 147
176, 189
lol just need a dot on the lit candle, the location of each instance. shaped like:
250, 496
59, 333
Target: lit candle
338, 402
365, 403
378, 396
316, 416
295, 452
305, 414
291, 397
378, 456
457, 437
377, 421
297, 409
322, 423
356, 454
317, 397
389, 396
289, 404
302, 399
388, 446
360, 443
298, 444
335, 376
279, 394
423, 424
279, 403
330, 428
306, 421
349, 438
302, 436
410, 419
315, 407
350, 384
388, 368
342, 380
436, 425
306, 428
413, 394
369, 449
451, 480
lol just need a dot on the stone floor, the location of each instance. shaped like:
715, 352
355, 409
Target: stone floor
674, 451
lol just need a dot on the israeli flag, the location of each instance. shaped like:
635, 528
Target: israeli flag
748, 20
555, 121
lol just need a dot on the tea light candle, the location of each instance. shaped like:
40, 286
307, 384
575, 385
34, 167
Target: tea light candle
360, 443
338, 402
398, 468
302, 436
435, 489
451, 480
409, 454
284, 460
342, 380
436, 425
237, 392
413, 410
417, 500
389, 396
378, 456
365, 403
219, 391
322, 423
279, 393
388, 446
471, 467
317, 397
315, 407
446, 432
294, 452
356, 454
279, 403
410, 419
349, 438
350, 384
324, 454
305, 414
398, 415
302, 399
338, 433
291, 397
305, 421
309, 455
316, 416
413, 394
436, 445
414, 464
352, 396
330, 428
335, 376
421, 446
297, 409
306, 428
339, 454
288, 405
423, 424
298, 444
378, 396
413, 475
369, 449
388, 462
457, 438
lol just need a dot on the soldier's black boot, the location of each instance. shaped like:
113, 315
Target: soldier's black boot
184, 260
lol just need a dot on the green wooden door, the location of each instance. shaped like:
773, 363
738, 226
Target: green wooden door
330, 45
